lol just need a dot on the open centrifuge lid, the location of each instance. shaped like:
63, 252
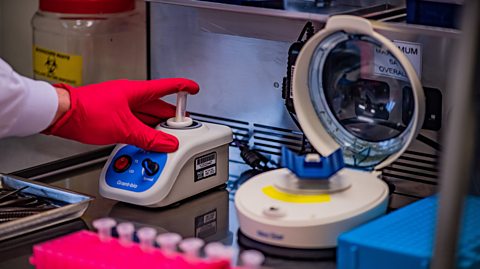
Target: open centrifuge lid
354, 89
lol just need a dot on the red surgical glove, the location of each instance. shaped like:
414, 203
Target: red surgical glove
119, 111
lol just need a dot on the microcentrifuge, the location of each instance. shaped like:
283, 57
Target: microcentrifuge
157, 179
360, 103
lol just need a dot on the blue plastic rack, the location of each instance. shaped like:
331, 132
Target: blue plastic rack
404, 239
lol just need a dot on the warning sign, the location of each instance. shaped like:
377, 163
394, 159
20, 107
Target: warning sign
413, 51
57, 66
387, 65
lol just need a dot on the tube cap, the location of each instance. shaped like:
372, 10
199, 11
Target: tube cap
86, 6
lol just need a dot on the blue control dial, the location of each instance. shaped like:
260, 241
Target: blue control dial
135, 169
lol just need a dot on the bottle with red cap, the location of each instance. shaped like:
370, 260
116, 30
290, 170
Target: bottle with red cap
88, 41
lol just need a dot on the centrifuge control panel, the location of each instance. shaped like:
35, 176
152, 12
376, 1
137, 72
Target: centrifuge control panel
134, 169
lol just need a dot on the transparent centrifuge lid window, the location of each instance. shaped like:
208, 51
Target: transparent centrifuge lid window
362, 96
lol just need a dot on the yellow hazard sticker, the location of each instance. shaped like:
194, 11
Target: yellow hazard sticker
276, 194
57, 66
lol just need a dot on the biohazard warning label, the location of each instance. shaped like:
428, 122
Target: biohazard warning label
56, 66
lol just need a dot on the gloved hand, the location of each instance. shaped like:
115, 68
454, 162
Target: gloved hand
119, 111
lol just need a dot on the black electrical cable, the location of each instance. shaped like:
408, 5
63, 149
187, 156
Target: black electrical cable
429, 142
305, 146
294, 119
252, 157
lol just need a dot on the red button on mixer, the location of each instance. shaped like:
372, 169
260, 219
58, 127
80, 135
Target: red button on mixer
122, 163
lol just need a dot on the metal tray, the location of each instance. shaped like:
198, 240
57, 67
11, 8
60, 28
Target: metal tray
71, 205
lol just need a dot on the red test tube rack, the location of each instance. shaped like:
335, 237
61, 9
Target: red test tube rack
85, 250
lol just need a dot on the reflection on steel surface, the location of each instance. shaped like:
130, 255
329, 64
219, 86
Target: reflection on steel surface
67, 205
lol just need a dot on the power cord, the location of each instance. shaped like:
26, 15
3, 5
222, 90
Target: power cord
253, 158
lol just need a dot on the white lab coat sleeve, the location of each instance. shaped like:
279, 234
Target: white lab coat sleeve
26, 106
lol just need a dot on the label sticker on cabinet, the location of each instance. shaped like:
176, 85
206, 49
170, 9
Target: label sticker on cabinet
57, 66
413, 51
205, 166
387, 65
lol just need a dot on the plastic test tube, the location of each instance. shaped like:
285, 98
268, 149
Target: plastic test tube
214, 250
180, 113
252, 259
146, 235
125, 232
168, 241
104, 227
191, 246
218, 251
226, 253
